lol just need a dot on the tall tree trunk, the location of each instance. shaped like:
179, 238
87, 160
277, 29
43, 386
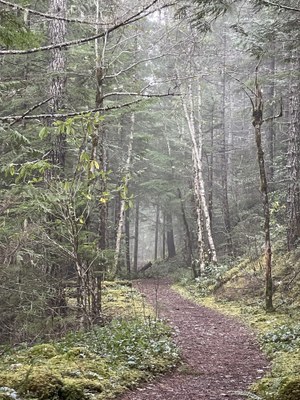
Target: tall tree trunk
293, 198
199, 264
127, 241
99, 136
187, 230
257, 123
271, 125
224, 162
164, 237
123, 198
211, 169
197, 154
170, 236
156, 232
136, 235
57, 70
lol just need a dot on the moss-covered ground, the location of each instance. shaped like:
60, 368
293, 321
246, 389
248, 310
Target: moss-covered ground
239, 291
98, 364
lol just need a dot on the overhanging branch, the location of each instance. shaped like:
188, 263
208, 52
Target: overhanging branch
31, 109
49, 16
281, 6
134, 18
18, 118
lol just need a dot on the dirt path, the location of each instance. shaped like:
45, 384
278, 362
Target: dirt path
221, 356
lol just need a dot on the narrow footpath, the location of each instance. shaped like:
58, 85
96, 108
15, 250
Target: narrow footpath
221, 356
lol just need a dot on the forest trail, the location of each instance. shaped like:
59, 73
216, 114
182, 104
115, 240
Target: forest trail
221, 356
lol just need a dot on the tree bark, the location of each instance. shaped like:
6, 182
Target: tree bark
187, 230
211, 170
197, 154
136, 235
271, 124
164, 237
257, 123
99, 136
156, 232
127, 241
224, 162
170, 236
199, 264
123, 198
293, 198
57, 69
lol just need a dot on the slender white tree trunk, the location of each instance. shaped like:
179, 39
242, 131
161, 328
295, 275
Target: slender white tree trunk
123, 199
189, 112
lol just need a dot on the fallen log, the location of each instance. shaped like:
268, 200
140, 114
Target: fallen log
146, 266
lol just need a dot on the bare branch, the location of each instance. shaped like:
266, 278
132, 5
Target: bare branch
50, 16
280, 114
133, 18
281, 6
93, 110
135, 64
31, 109
241, 82
250, 98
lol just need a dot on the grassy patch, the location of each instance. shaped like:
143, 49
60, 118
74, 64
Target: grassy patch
98, 364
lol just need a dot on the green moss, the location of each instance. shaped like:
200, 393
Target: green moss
290, 390
42, 383
84, 384
78, 352
42, 351
72, 392
98, 364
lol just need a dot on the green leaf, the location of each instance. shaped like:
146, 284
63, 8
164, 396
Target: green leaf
43, 132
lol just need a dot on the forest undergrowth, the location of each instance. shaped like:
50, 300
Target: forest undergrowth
96, 364
238, 290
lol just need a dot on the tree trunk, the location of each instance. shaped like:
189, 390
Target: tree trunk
156, 232
271, 125
197, 154
224, 163
100, 147
257, 123
211, 170
199, 264
187, 230
170, 236
136, 235
164, 237
293, 198
123, 198
127, 241
57, 70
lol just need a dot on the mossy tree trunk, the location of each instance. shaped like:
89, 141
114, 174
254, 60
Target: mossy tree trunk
293, 166
257, 123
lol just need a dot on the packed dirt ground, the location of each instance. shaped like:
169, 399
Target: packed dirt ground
221, 357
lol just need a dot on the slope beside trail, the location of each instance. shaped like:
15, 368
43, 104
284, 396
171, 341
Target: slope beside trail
221, 356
